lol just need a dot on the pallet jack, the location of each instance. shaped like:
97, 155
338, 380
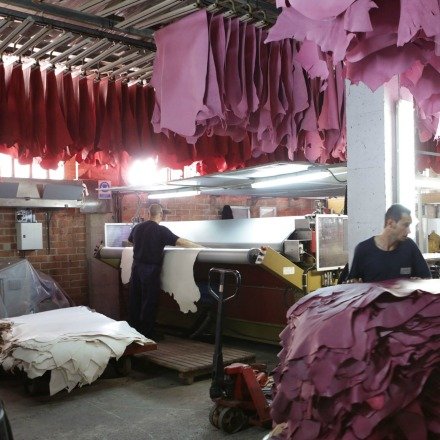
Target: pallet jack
238, 391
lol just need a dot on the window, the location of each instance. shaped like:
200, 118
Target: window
10, 167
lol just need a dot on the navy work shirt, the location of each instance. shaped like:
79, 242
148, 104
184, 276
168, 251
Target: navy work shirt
149, 239
373, 264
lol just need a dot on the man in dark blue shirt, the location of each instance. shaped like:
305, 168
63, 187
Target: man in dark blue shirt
149, 239
390, 254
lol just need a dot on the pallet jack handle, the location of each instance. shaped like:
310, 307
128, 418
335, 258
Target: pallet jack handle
218, 376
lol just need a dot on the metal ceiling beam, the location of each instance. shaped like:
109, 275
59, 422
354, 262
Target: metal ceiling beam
68, 19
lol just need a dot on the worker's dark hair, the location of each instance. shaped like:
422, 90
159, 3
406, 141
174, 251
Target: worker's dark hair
227, 212
395, 212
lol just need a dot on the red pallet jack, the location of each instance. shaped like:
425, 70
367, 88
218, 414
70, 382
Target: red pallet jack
237, 390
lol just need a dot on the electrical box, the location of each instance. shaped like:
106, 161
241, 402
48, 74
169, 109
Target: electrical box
29, 236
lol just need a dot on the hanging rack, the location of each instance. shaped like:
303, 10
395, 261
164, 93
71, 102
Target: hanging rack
62, 39
25, 24
135, 63
96, 59
137, 18
71, 50
119, 7
120, 61
172, 15
32, 42
88, 5
93, 48
139, 72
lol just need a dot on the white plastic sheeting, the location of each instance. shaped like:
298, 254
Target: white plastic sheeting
23, 290
74, 344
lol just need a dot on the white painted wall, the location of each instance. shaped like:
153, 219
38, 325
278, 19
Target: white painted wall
370, 159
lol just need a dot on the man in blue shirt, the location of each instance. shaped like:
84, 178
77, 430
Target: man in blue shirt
149, 239
390, 254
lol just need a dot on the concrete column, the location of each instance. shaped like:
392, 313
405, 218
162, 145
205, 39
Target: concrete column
370, 160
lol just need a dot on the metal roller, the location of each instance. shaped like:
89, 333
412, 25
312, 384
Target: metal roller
206, 255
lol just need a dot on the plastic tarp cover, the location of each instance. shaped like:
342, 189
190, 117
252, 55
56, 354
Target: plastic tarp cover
25, 290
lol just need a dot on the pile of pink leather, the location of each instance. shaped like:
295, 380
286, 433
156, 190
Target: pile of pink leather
99, 121
214, 75
377, 40
361, 361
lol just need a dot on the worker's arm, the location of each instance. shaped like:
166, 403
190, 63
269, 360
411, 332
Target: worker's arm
183, 242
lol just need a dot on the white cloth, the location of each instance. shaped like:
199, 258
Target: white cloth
74, 343
177, 275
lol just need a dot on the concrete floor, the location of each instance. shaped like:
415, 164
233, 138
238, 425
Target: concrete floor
149, 403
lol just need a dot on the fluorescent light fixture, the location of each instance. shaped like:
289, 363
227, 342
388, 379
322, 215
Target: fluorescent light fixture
171, 194
275, 171
295, 178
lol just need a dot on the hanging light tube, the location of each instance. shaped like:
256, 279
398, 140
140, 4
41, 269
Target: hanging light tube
172, 194
293, 178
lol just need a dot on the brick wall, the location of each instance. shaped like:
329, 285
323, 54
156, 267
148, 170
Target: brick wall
205, 207
65, 261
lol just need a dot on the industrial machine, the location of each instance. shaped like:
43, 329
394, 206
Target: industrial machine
280, 260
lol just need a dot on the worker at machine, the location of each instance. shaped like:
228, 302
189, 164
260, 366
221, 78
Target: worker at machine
227, 213
390, 254
149, 239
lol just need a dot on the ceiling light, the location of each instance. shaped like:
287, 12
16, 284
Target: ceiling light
171, 194
275, 171
295, 178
